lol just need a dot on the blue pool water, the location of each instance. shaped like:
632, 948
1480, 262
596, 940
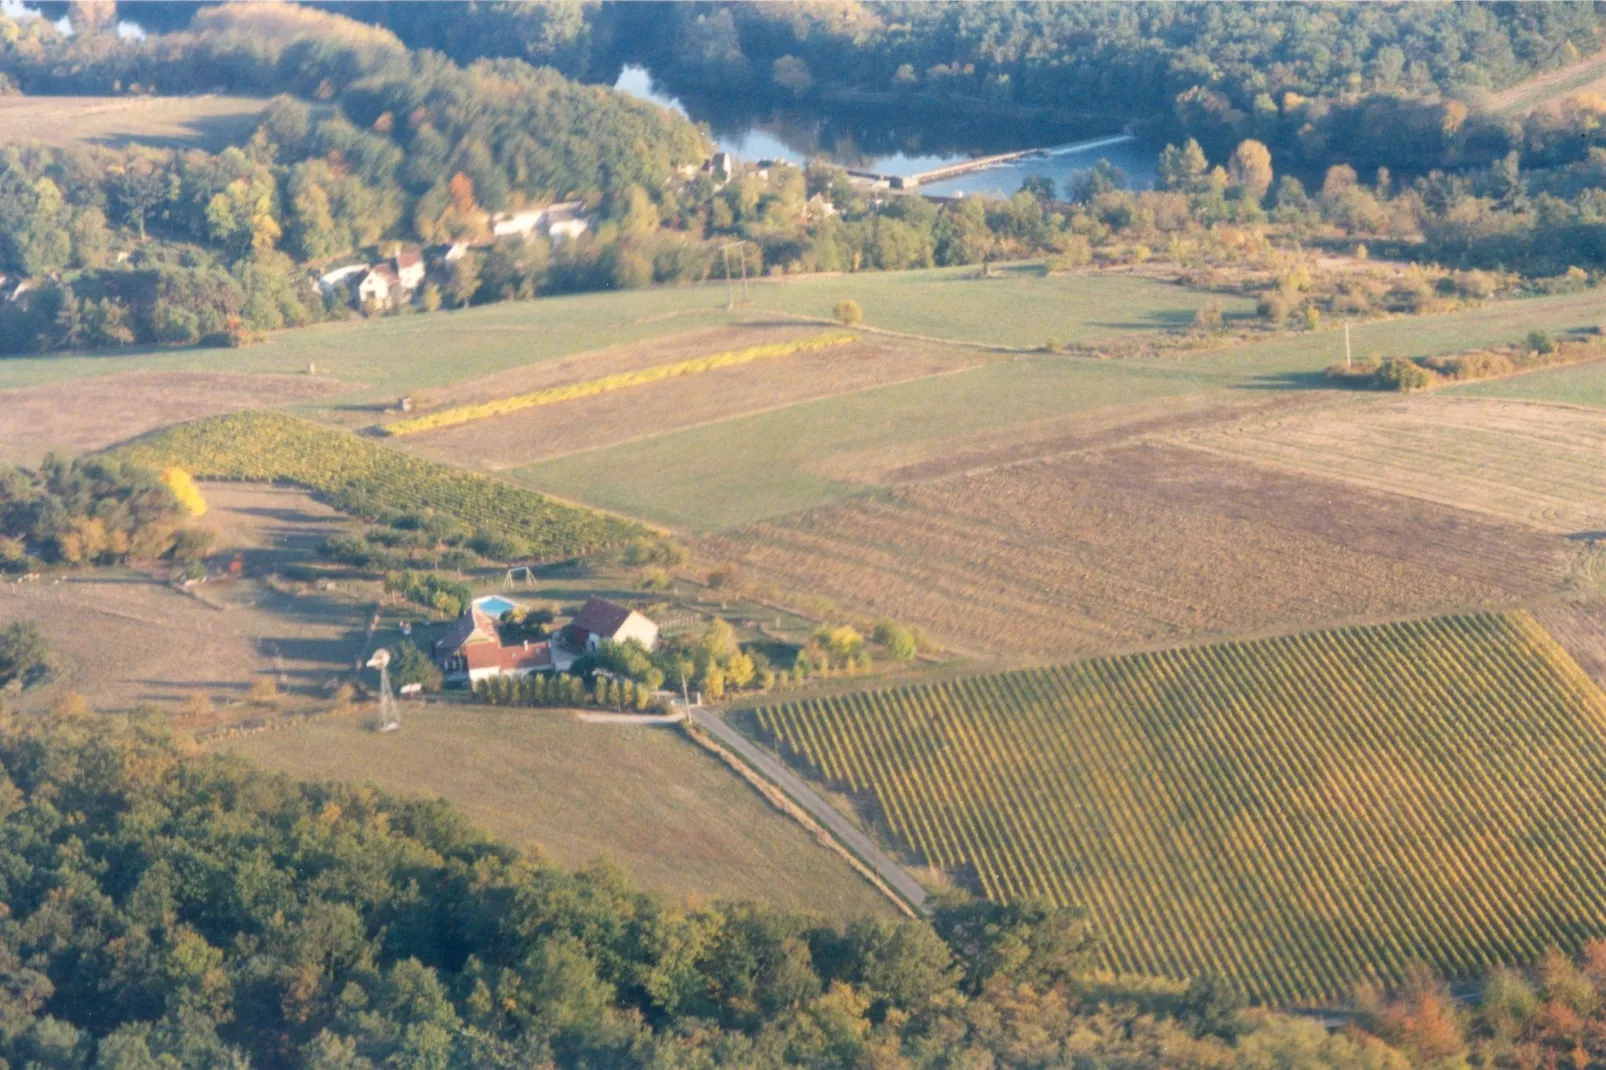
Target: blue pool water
495, 604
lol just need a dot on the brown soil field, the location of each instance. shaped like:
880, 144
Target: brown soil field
1537, 464
206, 120
549, 431
1139, 545
120, 638
1580, 627
1074, 432
76, 415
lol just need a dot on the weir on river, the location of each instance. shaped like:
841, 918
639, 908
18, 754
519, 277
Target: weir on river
981, 163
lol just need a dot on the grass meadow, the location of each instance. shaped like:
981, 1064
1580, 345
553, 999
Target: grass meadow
646, 798
740, 470
1581, 384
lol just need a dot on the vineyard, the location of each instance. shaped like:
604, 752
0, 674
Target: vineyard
367, 480
1298, 813
618, 381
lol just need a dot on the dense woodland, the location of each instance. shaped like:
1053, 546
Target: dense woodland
173, 910
369, 144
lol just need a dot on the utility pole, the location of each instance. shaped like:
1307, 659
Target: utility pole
730, 294
1346, 345
741, 251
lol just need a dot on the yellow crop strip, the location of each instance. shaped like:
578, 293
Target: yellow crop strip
591, 387
1298, 813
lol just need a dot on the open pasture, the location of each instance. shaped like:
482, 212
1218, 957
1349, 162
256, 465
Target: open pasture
746, 468
208, 121
78, 417
1580, 384
1021, 305
620, 416
1140, 545
1299, 814
1543, 465
120, 639
676, 820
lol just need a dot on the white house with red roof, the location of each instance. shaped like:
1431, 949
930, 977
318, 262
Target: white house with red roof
473, 650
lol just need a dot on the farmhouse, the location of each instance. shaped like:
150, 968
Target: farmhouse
600, 621
380, 285
564, 221
473, 651
410, 269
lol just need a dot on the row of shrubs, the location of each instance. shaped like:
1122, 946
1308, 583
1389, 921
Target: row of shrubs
564, 689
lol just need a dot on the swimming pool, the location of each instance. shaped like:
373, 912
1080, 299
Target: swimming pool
495, 604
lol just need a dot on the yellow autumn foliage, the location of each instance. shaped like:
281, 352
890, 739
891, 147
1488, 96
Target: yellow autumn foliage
185, 490
618, 381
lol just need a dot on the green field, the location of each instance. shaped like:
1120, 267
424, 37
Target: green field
674, 818
1020, 306
1581, 384
386, 357
1298, 813
751, 467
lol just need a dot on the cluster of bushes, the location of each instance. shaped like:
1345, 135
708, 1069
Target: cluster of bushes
1538, 350
567, 689
92, 511
431, 590
24, 656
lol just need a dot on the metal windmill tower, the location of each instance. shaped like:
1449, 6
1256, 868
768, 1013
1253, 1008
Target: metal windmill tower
389, 716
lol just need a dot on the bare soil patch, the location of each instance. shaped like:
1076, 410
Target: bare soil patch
1543, 465
207, 120
120, 638
1144, 544
549, 431
74, 416
1073, 432
1580, 628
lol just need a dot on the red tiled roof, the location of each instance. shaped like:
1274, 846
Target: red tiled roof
408, 258
600, 617
525, 658
472, 626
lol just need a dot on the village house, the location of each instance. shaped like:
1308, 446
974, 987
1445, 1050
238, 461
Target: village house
600, 621
473, 650
380, 286
565, 221
410, 269
559, 222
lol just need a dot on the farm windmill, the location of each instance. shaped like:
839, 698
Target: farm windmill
389, 717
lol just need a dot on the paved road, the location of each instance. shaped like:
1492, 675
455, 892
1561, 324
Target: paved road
823, 812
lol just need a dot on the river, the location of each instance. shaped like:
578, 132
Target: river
871, 139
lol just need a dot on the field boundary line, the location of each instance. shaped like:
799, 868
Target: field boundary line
699, 732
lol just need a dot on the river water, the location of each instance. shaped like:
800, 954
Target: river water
869, 139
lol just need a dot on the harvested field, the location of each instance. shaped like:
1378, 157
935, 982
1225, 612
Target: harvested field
1543, 465
119, 638
1580, 627
206, 121
648, 799
623, 415
1141, 545
1299, 813
91, 414
1073, 432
